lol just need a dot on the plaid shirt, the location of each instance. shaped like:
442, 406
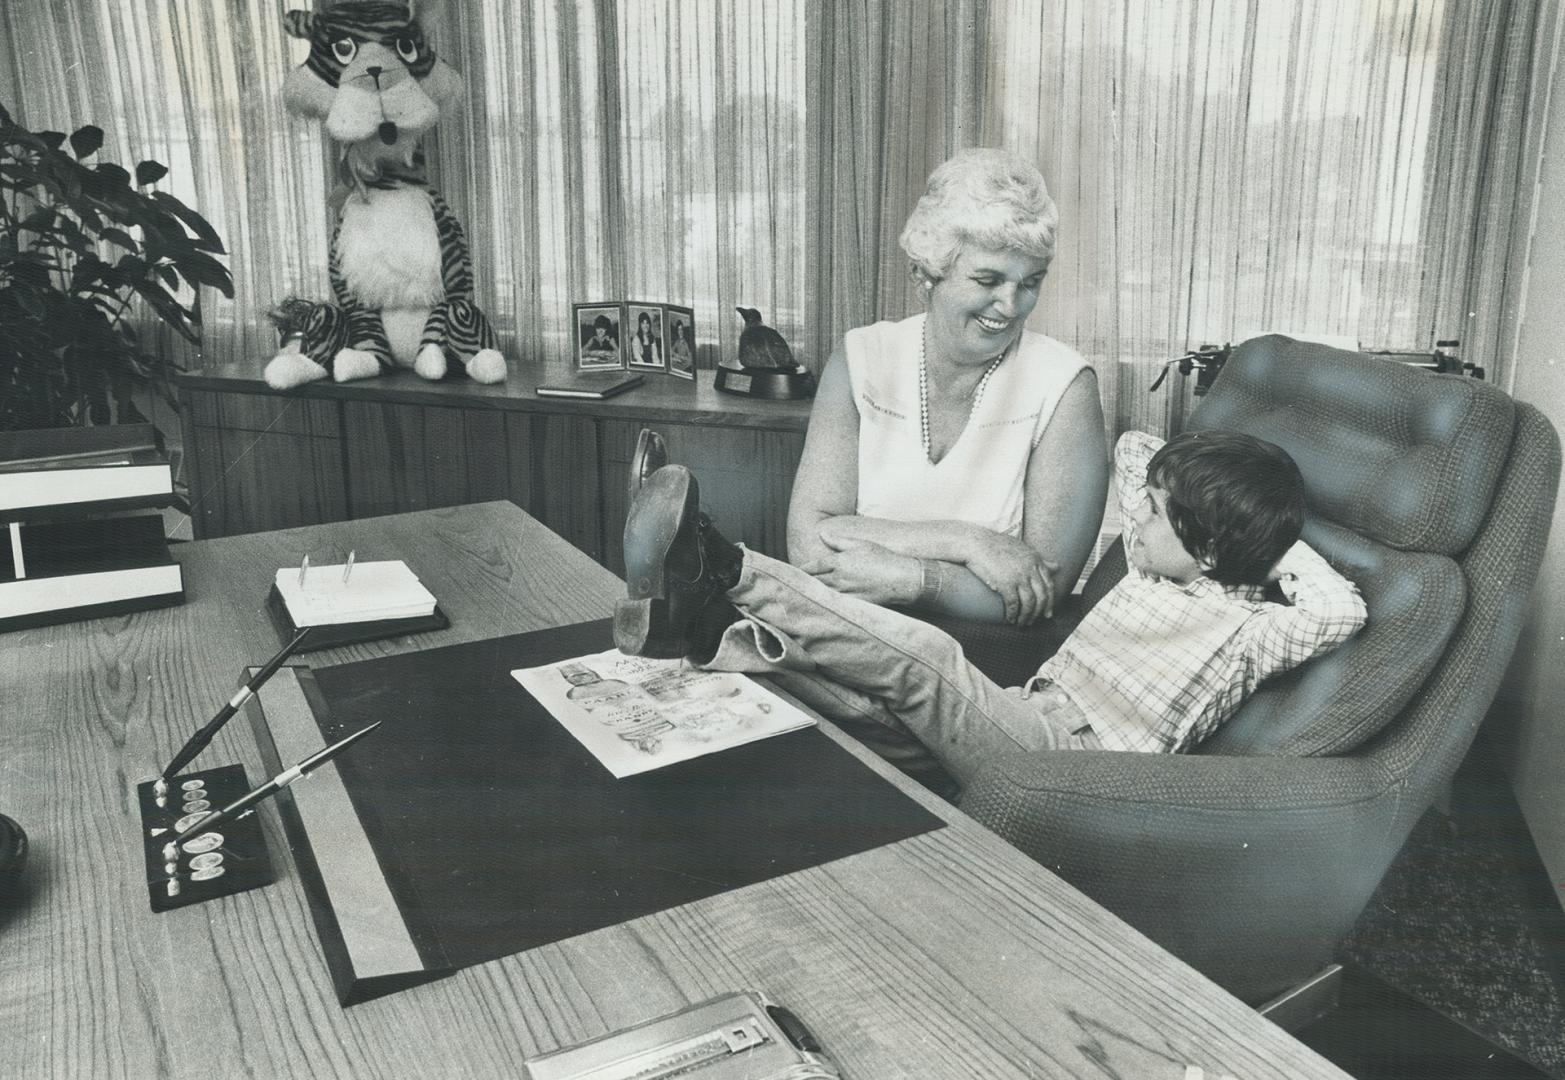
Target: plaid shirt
1157, 666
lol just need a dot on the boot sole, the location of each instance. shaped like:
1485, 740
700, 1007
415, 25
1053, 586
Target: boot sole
643, 625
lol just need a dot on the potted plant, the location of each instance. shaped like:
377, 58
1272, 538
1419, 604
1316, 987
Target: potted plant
79, 244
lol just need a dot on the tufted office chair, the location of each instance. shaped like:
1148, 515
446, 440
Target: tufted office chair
1252, 857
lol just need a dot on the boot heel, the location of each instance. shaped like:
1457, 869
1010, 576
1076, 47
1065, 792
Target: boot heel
641, 628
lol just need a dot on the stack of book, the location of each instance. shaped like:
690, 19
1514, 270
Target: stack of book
75, 548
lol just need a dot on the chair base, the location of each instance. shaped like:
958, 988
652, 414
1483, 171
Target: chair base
1297, 1008
1374, 1031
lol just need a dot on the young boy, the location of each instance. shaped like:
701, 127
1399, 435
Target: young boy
1164, 658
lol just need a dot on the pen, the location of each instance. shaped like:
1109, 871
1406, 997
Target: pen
267, 790
348, 569
201, 738
304, 568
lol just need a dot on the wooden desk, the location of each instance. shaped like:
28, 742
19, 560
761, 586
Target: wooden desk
947, 955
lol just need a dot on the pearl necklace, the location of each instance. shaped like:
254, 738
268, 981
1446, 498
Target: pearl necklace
923, 388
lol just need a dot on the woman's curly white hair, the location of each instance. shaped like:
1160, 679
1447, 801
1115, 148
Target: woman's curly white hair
980, 198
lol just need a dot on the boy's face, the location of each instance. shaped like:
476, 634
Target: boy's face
1155, 548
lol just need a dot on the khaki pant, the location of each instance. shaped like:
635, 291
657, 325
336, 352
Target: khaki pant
902, 686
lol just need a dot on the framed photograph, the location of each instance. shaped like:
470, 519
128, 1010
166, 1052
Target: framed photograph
598, 336
681, 340
646, 347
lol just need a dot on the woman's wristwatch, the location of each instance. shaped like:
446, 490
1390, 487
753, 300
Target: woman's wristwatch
931, 580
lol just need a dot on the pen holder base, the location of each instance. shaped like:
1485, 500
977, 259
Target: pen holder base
232, 860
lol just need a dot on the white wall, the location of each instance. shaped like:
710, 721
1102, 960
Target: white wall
1535, 689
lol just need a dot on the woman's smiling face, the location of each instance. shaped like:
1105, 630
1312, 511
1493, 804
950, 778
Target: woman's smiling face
979, 308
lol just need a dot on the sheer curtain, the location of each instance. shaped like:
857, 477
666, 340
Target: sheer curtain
1225, 168
1222, 166
638, 150
1478, 211
642, 151
197, 87
894, 89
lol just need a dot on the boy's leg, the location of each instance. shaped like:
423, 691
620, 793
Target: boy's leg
916, 671
684, 582
869, 721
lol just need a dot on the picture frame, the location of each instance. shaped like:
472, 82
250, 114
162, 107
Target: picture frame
599, 336
644, 337
680, 353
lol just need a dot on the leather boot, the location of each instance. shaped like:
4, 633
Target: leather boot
678, 568
651, 455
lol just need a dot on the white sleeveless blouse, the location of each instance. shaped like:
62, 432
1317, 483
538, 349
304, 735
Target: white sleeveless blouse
981, 478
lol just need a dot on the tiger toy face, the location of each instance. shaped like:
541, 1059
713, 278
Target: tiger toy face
370, 75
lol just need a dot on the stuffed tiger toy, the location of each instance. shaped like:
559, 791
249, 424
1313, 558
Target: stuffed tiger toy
399, 264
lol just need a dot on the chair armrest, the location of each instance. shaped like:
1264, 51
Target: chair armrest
1250, 869
1196, 781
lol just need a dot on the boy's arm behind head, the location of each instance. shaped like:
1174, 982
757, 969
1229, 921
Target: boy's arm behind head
1131, 454
1324, 610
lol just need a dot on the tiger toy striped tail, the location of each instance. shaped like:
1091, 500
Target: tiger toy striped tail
401, 279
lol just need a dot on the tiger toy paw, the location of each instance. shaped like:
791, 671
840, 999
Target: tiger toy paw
291, 368
351, 363
431, 362
486, 366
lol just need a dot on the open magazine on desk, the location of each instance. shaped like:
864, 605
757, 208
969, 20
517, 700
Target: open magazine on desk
636, 714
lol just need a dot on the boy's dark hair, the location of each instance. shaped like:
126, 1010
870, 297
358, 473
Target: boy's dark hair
1236, 502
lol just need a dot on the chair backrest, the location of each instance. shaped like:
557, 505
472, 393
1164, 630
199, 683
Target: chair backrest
1434, 494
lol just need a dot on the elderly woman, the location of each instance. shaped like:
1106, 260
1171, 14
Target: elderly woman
955, 460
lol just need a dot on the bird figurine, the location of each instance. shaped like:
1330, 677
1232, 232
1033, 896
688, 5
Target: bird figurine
762, 347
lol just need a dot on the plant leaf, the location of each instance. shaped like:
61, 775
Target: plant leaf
177, 318
130, 266
150, 172
39, 219
86, 140
195, 221
199, 268
122, 238
113, 175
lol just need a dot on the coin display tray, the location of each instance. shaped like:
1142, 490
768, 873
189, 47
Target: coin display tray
243, 861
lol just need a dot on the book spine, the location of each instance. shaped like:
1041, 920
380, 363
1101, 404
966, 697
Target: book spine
72, 548
69, 511
61, 444
154, 590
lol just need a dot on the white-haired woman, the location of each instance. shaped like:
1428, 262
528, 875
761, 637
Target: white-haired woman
956, 461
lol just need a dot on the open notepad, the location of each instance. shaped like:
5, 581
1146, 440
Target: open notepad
374, 592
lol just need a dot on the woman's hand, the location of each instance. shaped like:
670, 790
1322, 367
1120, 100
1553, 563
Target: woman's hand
1023, 578
869, 572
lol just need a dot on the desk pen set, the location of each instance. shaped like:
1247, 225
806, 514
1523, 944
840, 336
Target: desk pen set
200, 838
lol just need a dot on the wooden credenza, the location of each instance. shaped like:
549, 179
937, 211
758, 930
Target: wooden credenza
257, 459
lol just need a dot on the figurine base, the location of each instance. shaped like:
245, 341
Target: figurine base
766, 383
210, 865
